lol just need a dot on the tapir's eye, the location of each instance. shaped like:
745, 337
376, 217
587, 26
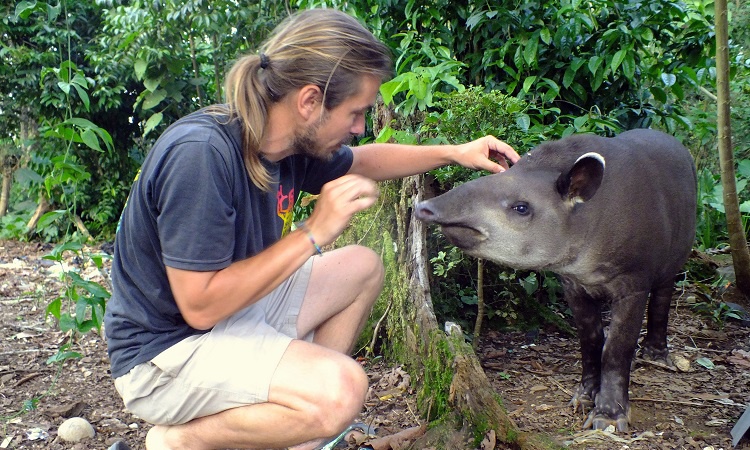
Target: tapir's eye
521, 208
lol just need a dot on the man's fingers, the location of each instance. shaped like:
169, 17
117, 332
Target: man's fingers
352, 187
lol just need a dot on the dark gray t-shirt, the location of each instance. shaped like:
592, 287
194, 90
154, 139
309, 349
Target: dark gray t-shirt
194, 207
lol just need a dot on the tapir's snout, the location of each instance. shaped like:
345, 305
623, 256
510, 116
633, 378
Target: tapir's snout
459, 233
424, 213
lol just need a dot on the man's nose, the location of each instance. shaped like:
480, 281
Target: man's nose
358, 127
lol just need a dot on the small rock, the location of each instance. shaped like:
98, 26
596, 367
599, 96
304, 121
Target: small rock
682, 363
75, 429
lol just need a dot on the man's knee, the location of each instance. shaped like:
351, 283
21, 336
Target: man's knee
342, 399
368, 266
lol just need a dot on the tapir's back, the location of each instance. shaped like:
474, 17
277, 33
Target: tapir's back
644, 211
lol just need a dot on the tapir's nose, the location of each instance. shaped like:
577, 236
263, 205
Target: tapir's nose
423, 212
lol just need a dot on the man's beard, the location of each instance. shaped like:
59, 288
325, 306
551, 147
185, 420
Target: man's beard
306, 143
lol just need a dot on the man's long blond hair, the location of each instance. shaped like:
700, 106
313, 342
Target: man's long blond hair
323, 47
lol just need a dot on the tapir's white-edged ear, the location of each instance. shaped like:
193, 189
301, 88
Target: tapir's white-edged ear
582, 181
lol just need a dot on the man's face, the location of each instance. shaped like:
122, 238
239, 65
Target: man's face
338, 126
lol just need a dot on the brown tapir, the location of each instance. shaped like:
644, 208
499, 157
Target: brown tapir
614, 218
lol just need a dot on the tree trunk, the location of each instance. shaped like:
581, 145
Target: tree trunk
218, 71
196, 72
5, 192
41, 209
737, 239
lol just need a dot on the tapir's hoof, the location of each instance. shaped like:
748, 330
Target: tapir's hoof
582, 401
656, 355
601, 422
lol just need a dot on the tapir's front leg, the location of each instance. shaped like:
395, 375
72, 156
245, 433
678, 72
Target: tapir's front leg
588, 318
612, 405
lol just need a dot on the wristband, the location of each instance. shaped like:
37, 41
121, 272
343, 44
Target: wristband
312, 239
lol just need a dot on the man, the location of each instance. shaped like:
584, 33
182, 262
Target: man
225, 329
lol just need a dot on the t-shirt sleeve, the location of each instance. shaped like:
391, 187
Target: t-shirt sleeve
195, 217
320, 172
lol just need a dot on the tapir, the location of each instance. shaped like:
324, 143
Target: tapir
614, 218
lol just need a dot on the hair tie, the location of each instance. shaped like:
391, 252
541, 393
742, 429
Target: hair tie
264, 61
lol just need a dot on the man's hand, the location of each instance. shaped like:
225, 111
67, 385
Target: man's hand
338, 201
480, 153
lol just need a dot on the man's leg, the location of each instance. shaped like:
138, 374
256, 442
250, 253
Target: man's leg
344, 285
317, 390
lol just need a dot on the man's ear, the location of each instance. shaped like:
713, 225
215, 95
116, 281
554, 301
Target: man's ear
309, 101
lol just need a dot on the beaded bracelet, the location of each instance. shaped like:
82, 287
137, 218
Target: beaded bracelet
312, 239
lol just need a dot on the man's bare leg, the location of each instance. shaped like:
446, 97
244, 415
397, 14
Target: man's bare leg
317, 390
344, 285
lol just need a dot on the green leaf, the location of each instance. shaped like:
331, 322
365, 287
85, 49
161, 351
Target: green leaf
152, 123
105, 137
80, 122
658, 93
65, 87
53, 11
62, 356
594, 63
24, 9
151, 84
53, 308
743, 168
668, 79
154, 98
523, 121
545, 35
617, 60
385, 134
140, 68
570, 75
530, 51
89, 138
628, 66
528, 82
59, 250
49, 218
24, 175
580, 121
389, 89
67, 322
83, 95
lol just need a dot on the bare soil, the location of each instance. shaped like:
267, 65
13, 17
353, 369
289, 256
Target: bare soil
534, 373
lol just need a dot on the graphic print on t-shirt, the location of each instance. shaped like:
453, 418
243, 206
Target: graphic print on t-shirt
285, 208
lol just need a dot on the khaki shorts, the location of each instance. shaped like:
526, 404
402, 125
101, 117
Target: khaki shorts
228, 367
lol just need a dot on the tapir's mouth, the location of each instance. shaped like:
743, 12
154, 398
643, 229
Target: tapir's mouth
463, 236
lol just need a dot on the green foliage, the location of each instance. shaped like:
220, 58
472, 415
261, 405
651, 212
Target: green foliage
718, 312
711, 221
444, 262
80, 306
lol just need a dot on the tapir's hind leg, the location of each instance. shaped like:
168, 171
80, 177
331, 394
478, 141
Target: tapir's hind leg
654, 345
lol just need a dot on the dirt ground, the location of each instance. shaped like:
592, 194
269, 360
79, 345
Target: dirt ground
534, 373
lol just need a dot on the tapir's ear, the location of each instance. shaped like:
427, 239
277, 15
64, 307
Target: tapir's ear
583, 179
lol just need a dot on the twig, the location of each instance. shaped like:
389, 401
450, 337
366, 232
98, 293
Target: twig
377, 328
28, 377
17, 300
674, 402
31, 350
560, 386
696, 349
